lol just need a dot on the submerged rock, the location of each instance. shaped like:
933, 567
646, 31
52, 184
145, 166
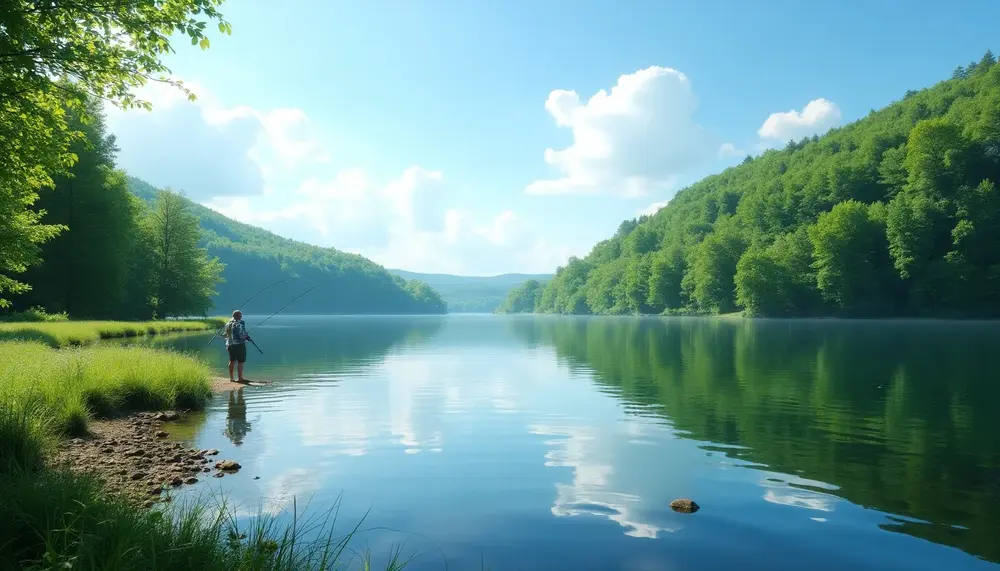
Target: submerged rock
227, 465
684, 505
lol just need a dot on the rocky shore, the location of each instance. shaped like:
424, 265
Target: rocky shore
134, 456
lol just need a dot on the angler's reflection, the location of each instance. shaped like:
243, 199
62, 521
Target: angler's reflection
236, 417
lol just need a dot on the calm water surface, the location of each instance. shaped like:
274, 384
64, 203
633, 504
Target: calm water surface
558, 443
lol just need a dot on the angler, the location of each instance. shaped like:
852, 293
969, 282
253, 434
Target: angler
236, 336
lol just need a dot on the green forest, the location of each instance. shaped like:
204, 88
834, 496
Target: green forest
896, 214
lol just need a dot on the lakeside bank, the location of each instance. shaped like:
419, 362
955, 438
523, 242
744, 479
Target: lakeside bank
83, 450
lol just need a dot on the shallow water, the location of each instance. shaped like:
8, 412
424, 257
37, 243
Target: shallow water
558, 443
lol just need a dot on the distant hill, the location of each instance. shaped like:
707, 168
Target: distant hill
256, 258
896, 213
472, 294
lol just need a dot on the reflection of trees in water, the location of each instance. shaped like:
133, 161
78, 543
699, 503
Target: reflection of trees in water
237, 426
897, 415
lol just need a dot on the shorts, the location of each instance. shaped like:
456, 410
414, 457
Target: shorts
238, 352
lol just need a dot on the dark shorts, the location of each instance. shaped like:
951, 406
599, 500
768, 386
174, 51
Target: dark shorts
238, 352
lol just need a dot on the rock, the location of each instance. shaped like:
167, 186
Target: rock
107, 450
684, 505
135, 452
155, 490
218, 474
162, 434
191, 480
206, 469
210, 452
76, 441
177, 481
227, 465
148, 504
256, 477
138, 475
167, 416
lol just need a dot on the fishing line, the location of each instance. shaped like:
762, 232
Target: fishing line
283, 307
249, 299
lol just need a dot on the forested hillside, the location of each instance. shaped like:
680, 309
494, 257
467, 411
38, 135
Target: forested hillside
472, 294
255, 258
894, 214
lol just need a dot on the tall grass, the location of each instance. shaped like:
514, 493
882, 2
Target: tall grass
67, 386
58, 520
55, 519
68, 333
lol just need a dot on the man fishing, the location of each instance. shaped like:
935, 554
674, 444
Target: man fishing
236, 336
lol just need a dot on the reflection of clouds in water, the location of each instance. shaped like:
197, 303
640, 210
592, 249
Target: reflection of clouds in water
296, 484
800, 499
409, 380
400, 400
576, 448
338, 426
781, 492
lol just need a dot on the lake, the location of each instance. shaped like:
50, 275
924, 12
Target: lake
528, 442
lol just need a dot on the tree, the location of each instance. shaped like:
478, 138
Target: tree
183, 277
665, 275
713, 265
522, 299
100, 49
850, 254
85, 268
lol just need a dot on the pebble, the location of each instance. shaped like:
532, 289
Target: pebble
162, 434
684, 505
191, 480
218, 474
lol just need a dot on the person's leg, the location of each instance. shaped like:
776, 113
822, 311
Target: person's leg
242, 357
232, 361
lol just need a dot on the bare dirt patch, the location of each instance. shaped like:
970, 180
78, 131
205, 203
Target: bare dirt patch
222, 384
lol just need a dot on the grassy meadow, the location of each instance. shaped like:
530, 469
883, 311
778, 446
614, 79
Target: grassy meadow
66, 333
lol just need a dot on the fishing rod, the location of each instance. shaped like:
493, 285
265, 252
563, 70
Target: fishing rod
249, 299
283, 307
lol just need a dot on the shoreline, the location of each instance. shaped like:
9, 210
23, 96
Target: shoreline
134, 457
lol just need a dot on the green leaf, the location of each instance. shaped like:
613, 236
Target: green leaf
203, 43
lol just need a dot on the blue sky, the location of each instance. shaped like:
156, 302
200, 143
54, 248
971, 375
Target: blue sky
415, 133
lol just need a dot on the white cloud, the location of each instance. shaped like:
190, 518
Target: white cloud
209, 150
270, 168
402, 223
629, 142
817, 117
729, 150
652, 208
